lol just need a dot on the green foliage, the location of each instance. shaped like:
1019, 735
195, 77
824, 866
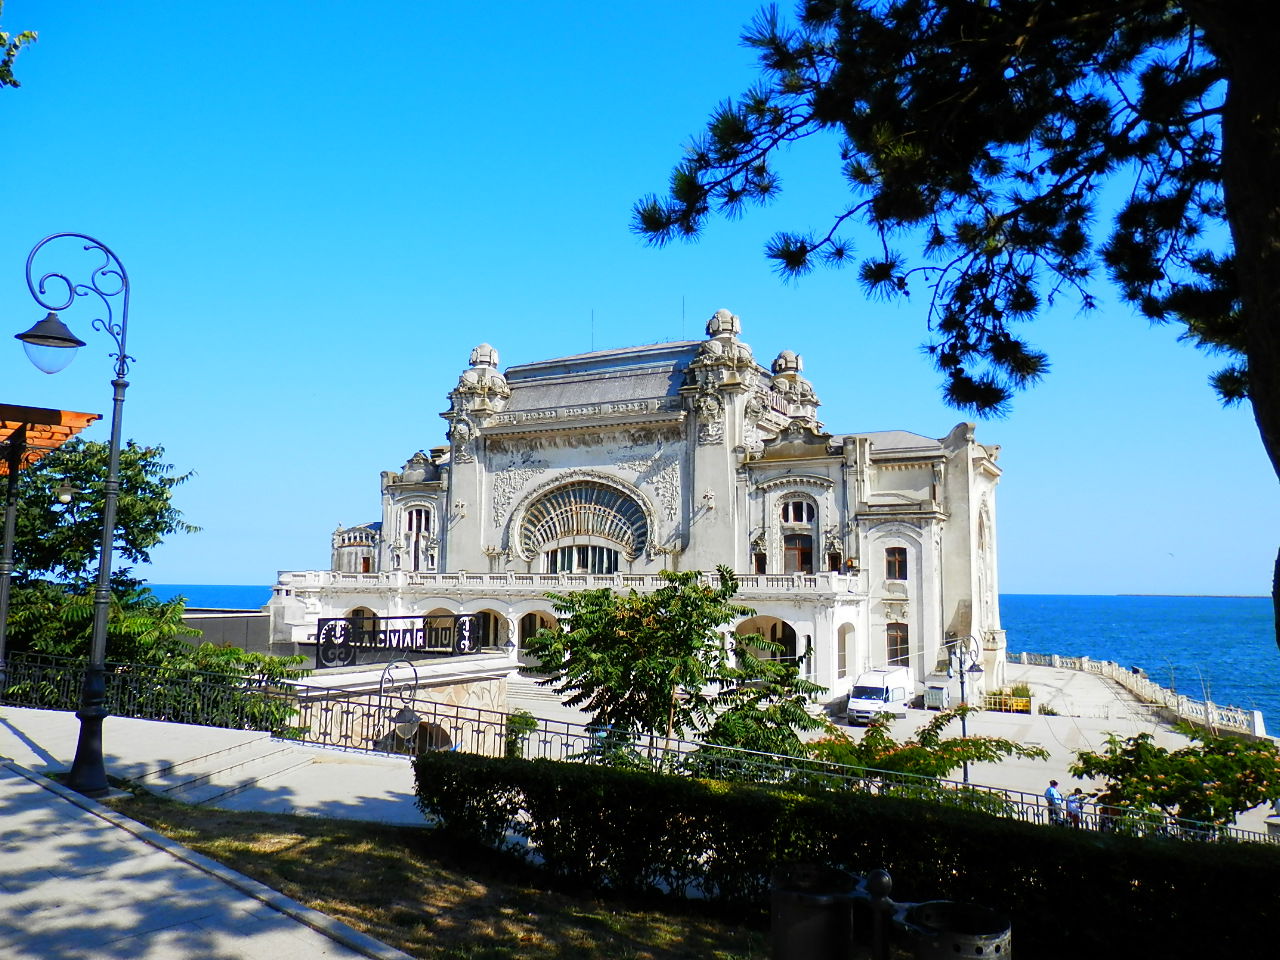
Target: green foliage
61, 542
519, 725
928, 754
1020, 690
763, 703
656, 663
9, 47
987, 135
1211, 780
626, 830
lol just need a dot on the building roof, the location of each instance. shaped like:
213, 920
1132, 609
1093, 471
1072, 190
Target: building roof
886, 440
604, 376
47, 430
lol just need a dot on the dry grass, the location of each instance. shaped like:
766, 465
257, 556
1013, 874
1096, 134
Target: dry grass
407, 888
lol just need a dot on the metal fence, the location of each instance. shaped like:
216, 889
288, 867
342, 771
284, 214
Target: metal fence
152, 692
397, 720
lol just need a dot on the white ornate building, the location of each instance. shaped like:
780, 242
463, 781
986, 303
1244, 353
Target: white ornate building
855, 549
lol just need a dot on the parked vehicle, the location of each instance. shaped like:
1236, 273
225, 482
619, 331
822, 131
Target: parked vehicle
884, 690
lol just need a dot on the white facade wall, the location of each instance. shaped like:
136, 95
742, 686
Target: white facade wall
680, 456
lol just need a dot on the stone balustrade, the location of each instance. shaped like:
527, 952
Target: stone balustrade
1203, 713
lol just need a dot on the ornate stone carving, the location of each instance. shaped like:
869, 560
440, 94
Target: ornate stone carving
511, 479
461, 434
662, 472
710, 419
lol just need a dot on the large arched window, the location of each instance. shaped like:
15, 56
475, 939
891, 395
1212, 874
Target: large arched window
584, 527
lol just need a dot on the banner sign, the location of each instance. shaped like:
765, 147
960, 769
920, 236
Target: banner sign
344, 641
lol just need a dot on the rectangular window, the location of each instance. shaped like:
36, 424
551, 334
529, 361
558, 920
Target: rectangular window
762, 563
896, 642
797, 552
895, 563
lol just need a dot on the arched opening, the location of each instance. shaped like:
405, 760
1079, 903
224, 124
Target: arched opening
364, 624
846, 656
438, 627
490, 629
530, 624
417, 538
772, 629
586, 526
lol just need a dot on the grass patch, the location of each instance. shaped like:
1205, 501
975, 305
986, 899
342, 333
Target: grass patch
410, 889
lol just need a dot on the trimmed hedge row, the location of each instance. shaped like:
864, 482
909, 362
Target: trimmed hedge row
1066, 890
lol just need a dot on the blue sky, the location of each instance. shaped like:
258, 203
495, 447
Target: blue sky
324, 206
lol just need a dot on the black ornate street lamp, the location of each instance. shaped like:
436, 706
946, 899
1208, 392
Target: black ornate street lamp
965, 659
51, 346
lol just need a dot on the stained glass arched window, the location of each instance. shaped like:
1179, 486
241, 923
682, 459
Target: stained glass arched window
585, 510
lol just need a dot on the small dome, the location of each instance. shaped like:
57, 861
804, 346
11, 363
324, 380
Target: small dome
788, 362
723, 323
484, 356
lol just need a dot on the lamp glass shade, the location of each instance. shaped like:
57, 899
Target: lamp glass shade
49, 344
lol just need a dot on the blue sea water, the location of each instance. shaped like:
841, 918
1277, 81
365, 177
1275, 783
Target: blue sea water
1210, 648
1217, 648
218, 596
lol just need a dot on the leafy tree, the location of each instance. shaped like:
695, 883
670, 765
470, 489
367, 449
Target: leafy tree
928, 754
9, 47
986, 136
61, 542
763, 702
1211, 780
656, 663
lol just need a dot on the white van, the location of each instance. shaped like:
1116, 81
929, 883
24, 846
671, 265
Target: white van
884, 690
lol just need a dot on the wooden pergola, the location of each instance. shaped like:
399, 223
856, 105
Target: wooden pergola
28, 433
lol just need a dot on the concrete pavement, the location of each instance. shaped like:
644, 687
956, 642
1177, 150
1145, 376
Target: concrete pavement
80, 882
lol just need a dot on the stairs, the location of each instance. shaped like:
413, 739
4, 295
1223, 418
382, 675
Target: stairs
244, 763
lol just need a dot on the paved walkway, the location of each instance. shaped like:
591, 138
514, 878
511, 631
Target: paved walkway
80, 882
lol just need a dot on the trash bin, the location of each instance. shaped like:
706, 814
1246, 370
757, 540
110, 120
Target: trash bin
947, 929
811, 913
937, 697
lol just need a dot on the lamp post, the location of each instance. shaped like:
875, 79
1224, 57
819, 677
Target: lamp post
51, 346
965, 659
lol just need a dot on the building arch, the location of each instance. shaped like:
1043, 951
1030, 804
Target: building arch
610, 521
364, 624
847, 664
771, 628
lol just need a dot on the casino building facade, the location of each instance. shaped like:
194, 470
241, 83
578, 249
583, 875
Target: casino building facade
856, 550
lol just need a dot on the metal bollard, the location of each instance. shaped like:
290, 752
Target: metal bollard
947, 929
811, 913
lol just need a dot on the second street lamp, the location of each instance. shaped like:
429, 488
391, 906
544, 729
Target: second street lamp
965, 659
50, 346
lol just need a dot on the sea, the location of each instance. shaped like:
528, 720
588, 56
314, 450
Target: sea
1209, 648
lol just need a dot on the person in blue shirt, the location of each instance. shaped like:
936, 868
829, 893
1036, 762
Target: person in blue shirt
1054, 799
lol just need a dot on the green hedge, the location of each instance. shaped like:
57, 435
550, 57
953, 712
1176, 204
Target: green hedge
1066, 890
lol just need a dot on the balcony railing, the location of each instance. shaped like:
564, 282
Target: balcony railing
825, 582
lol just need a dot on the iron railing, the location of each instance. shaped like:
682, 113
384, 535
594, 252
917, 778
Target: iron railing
153, 692
398, 721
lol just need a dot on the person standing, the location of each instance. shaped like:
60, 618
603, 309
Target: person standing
1075, 807
1054, 798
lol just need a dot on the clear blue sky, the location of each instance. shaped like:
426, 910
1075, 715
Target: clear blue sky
324, 206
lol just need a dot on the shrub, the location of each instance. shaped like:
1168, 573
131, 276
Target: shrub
641, 831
